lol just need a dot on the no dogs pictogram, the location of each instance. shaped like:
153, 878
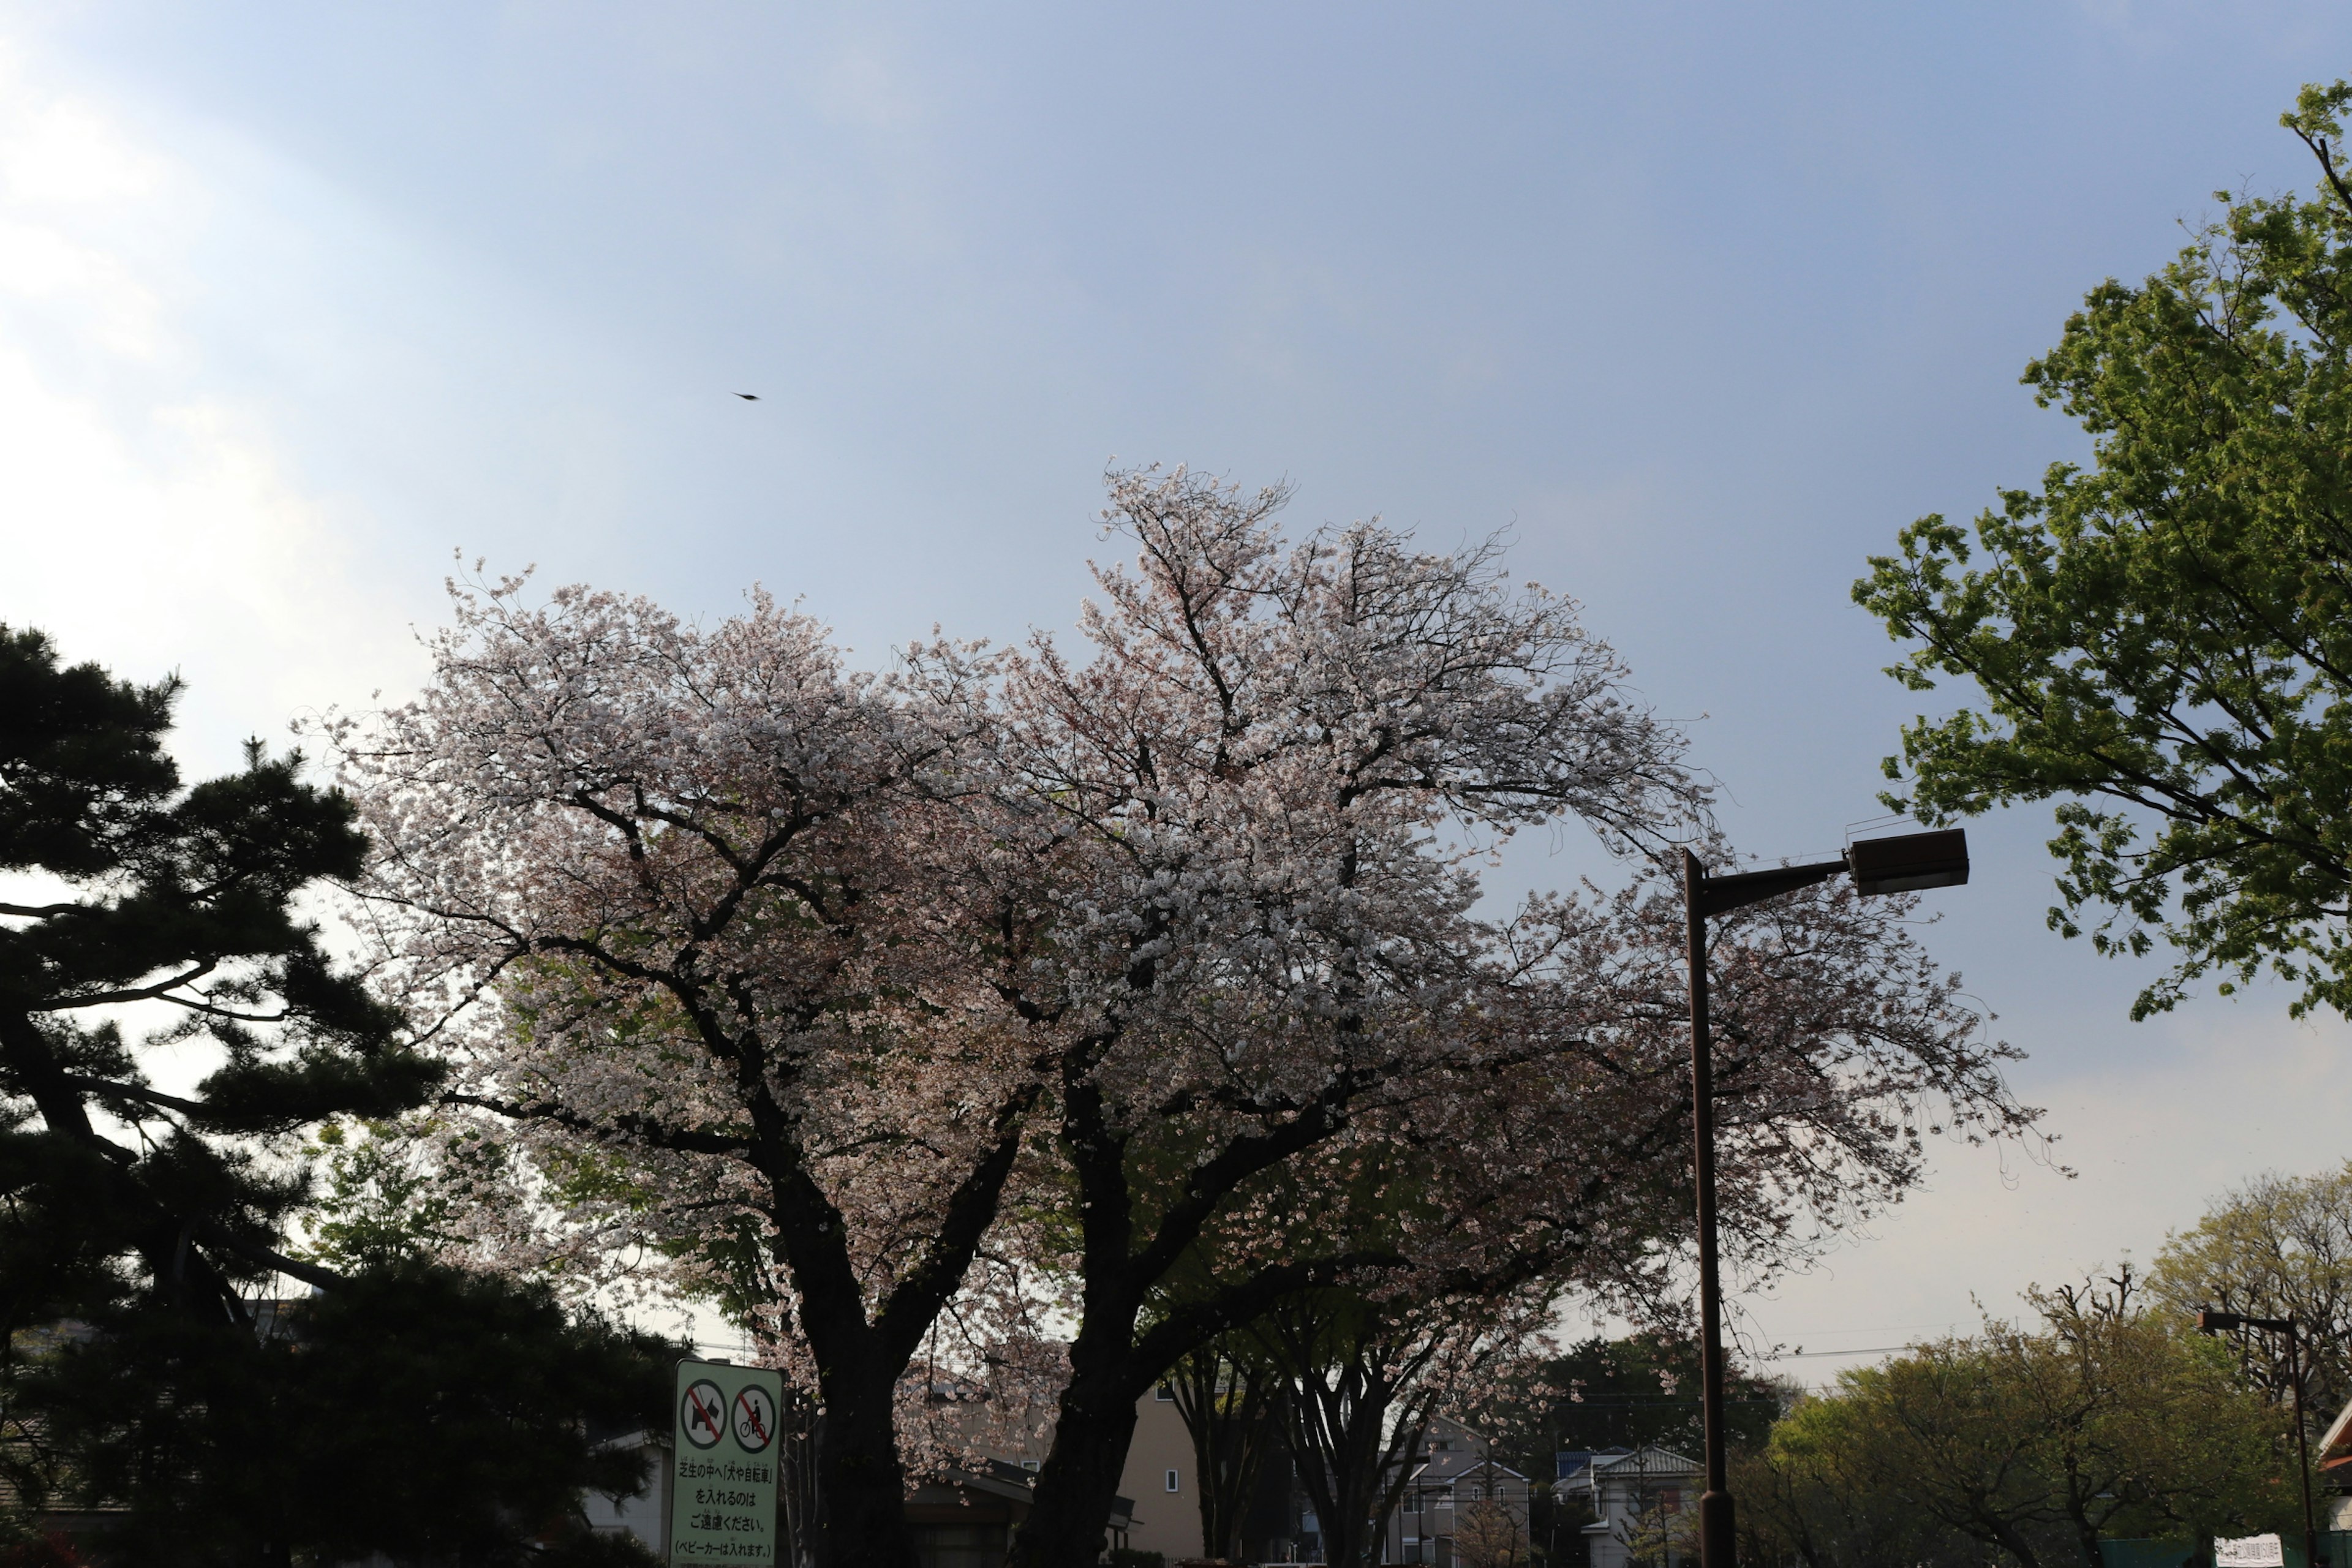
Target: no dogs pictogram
755, 1418
722, 1495
702, 1414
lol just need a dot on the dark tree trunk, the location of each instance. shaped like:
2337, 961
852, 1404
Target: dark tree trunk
1353, 1412
1080, 1476
861, 1489
860, 1485
1111, 1364
2006, 1535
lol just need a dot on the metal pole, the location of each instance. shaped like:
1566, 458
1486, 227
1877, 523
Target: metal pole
1716, 1538
2302, 1443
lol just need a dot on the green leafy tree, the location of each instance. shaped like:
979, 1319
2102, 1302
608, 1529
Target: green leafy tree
1796, 1507
380, 1205
141, 894
2162, 639
145, 923
1359, 1382
2105, 1421
1621, 1394
1225, 1391
2278, 1246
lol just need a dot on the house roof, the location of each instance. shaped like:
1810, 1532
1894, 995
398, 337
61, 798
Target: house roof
1448, 1467
1450, 1463
2336, 1446
1647, 1460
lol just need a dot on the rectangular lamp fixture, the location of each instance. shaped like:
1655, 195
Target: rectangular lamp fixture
1909, 861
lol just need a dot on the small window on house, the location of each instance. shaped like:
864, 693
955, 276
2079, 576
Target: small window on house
1164, 1393
1030, 1465
1477, 1492
1171, 1480
1411, 1503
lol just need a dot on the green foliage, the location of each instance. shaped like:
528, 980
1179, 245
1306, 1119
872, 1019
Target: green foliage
137, 1369
417, 1411
1620, 1394
178, 908
2162, 641
1353, 1397
2277, 1246
154, 918
2105, 1421
1227, 1392
378, 1208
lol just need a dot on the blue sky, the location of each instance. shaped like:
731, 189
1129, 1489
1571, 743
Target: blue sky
1704, 302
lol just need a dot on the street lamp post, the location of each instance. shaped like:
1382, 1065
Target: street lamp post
1898, 864
2211, 1322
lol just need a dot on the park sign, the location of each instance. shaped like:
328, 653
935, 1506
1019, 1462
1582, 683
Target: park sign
2250, 1552
723, 1454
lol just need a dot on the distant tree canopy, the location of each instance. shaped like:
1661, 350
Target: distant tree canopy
152, 925
2105, 1416
2103, 1420
2278, 1246
2162, 641
1622, 1393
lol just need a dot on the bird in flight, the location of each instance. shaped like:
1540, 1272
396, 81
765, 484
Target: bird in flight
749, 396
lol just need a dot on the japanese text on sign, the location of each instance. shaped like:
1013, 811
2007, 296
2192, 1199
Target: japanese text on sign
723, 1466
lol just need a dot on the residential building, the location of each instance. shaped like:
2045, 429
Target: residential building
1643, 1502
1162, 1479
1459, 1495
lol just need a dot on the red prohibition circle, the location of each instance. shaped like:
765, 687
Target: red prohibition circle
702, 1413
755, 1418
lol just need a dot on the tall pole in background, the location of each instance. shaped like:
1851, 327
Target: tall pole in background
1716, 1536
2301, 1441
2212, 1323
1898, 865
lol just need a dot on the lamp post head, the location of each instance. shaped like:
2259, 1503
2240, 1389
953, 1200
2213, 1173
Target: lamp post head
1909, 861
2212, 1323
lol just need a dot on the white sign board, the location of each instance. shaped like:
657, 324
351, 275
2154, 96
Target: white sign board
723, 1466
2250, 1552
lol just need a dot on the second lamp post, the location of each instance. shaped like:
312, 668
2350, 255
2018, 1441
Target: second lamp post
1898, 865
2209, 1321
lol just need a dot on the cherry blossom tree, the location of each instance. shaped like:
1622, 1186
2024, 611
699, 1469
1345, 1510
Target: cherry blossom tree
682, 910
1262, 797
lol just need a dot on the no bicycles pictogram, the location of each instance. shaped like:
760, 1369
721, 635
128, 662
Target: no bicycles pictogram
755, 1418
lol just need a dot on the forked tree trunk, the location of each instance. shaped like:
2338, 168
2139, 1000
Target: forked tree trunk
1225, 1407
